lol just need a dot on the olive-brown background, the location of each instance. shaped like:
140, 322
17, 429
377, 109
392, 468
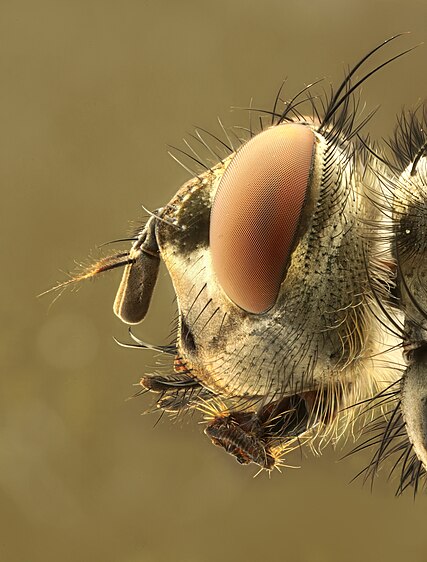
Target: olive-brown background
91, 92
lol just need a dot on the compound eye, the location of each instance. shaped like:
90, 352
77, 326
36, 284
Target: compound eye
256, 212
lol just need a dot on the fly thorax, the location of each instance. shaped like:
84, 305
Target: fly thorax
410, 246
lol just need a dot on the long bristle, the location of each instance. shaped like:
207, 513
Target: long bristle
104, 264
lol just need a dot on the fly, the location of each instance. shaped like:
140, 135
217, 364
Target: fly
298, 265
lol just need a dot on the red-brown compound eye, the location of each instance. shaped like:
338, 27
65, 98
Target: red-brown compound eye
256, 212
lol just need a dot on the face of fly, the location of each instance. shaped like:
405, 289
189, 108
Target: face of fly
259, 249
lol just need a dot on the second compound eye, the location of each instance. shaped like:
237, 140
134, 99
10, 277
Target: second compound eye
256, 212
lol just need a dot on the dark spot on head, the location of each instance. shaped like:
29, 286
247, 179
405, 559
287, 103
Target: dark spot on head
193, 218
419, 355
187, 338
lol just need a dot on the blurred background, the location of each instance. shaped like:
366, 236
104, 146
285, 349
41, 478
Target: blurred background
91, 93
